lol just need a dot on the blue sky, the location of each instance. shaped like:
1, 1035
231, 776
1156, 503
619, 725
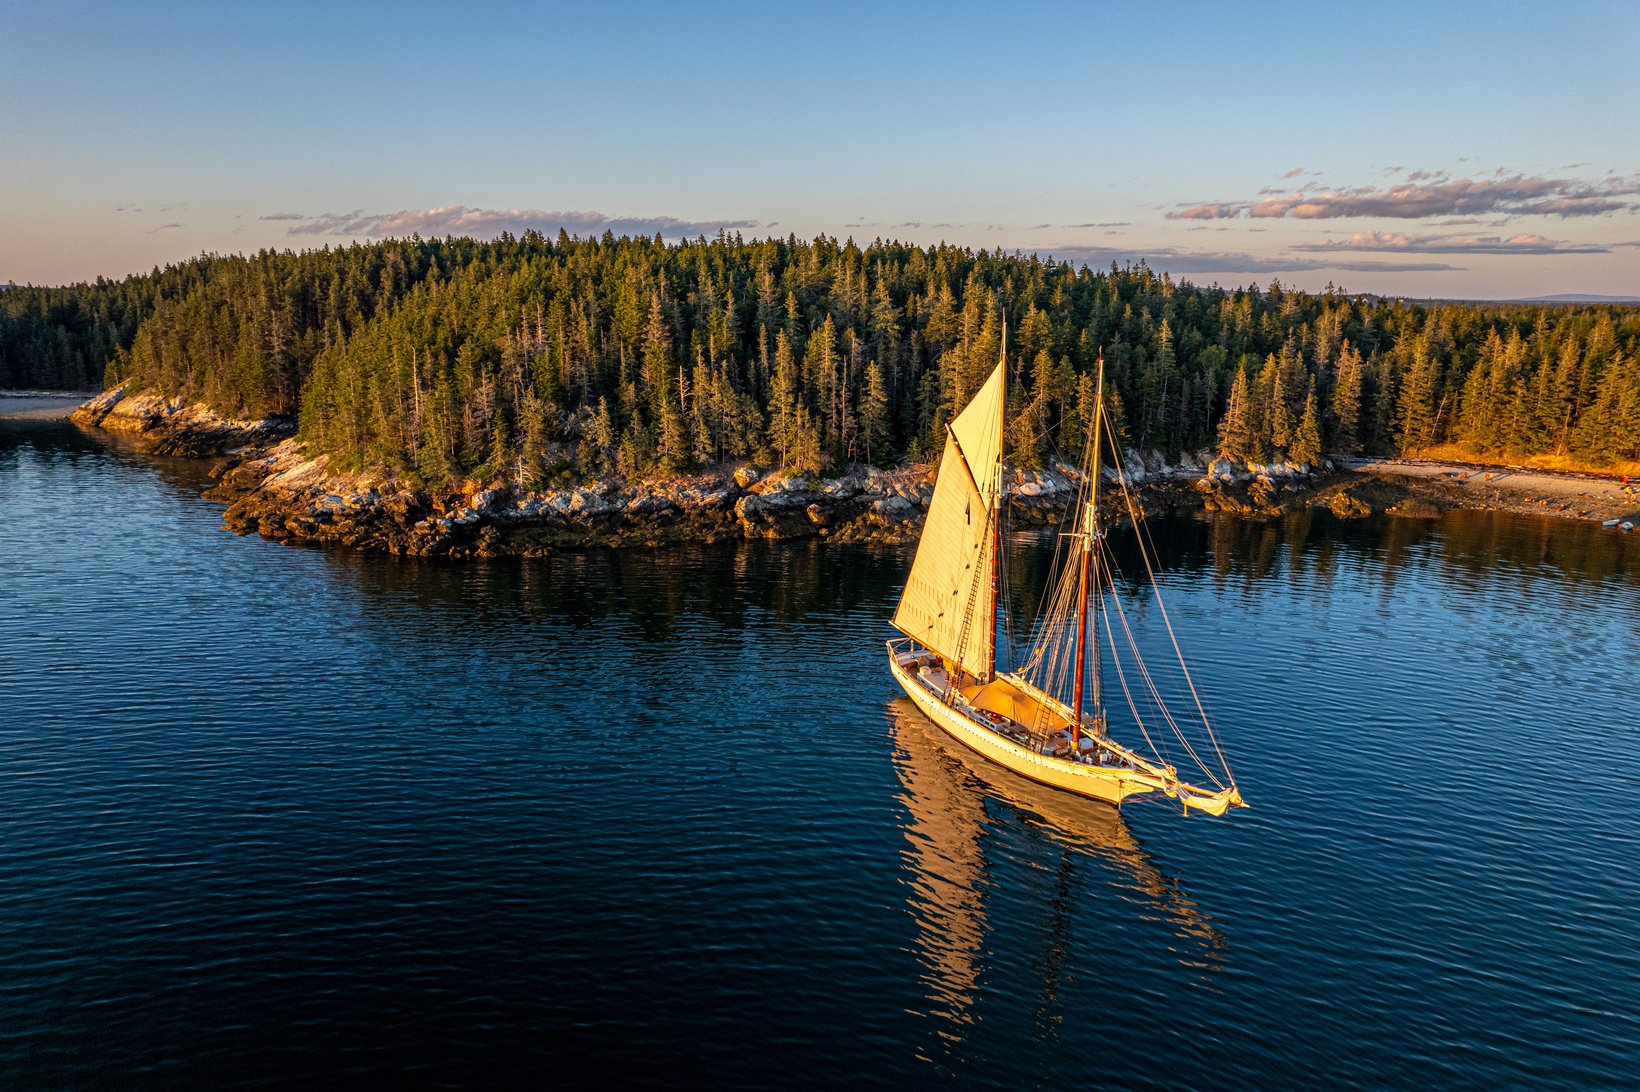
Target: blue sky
1475, 150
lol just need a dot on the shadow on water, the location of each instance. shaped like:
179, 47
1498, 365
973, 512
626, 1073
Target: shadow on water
980, 844
1312, 541
661, 594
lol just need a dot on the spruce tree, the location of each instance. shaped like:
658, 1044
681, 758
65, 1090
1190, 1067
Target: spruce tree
1236, 436
874, 414
1306, 446
1346, 401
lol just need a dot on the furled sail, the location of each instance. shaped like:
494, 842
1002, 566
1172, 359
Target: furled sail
949, 604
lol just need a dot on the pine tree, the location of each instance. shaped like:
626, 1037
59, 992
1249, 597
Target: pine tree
1346, 401
1419, 413
784, 404
1306, 447
1280, 414
1237, 439
874, 414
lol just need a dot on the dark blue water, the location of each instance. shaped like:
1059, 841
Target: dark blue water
273, 816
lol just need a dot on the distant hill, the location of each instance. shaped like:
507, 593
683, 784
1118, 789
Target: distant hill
1570, 299
1574, 297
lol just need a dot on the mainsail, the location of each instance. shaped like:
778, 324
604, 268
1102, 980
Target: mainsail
949, 604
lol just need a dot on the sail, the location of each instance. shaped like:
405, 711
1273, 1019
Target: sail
949, 604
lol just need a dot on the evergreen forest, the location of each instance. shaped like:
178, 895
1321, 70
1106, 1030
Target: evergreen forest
547, 359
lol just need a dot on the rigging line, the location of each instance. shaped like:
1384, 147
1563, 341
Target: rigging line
1048, 651
1155, 703
1055, 594
1061, 651
1161, 705
1044, 652
1155, 691
1144, 555
1152, 692
1156, 695
1051, 586
1139, 721
1147, 549
1002, 604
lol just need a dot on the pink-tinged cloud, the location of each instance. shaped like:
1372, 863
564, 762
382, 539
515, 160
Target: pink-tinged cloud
1208, 212
488, 223
1516, 195
1401, 243
1178, 261
1294, 173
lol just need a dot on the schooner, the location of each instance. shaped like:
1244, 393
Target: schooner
1047, 718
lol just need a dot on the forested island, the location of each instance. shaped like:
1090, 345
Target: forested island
549, 363
454, 357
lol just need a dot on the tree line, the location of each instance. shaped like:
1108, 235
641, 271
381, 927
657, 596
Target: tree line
539, 358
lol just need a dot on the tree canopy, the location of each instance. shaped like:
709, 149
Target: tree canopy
453, 358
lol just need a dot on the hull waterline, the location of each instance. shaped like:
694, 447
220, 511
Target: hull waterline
1095, 782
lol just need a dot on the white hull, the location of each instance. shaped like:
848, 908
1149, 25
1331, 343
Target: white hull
1095, 782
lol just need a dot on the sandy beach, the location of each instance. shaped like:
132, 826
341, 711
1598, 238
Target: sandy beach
39, 405
1579, 496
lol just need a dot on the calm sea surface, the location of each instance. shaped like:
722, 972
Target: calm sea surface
275, 816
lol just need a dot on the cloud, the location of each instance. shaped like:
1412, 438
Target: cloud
1215, 211
1418, 198
1294, 173
283, 216
1401, 243
488, 223
1174, 260
164, 227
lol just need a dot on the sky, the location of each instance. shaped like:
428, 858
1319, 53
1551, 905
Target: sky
1456, 150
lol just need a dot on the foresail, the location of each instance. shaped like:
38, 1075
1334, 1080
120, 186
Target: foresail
949, 604
978, 430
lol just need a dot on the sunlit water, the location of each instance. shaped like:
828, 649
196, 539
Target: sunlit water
280, 816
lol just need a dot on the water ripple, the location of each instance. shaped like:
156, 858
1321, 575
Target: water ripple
274, 815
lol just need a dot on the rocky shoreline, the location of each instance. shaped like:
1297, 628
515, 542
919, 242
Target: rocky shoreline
270, 484
1418, 489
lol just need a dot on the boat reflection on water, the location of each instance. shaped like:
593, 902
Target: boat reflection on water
969, 821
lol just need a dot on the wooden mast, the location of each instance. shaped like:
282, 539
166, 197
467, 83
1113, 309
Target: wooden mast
1090, 519
995, 513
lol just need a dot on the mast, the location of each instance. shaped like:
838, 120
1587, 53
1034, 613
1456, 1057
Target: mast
1097, 533
1090, 523
995, 514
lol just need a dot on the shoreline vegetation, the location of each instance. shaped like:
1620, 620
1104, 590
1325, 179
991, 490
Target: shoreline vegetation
270, 483
465, 379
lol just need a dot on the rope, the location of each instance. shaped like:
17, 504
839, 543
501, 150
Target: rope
1146, 548
1156, 696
